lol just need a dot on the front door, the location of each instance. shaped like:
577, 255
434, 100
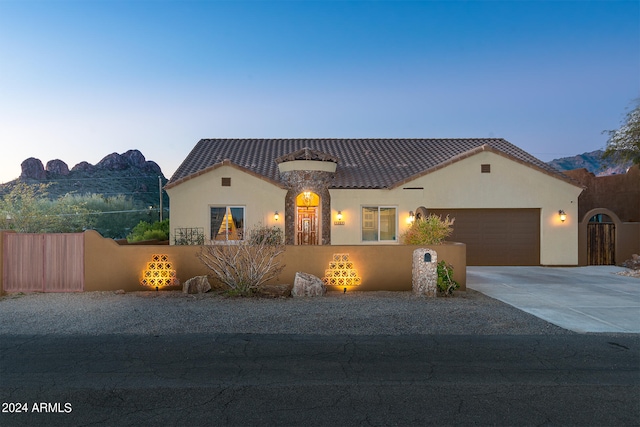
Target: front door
307, 226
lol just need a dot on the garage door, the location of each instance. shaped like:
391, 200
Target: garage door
497, 236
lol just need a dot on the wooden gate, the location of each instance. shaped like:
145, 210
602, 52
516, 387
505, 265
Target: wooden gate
601, 243
43, 262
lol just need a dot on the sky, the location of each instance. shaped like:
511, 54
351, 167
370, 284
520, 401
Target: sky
80, 80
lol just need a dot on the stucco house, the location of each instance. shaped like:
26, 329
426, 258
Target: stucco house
506, 203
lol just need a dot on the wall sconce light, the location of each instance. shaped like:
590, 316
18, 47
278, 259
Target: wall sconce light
339, 216
563, 216
276, 216
411, 218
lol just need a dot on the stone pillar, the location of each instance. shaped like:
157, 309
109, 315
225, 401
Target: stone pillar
316, 182
425, 272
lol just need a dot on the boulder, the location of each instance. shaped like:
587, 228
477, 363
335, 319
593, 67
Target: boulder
57, 167
32, 168
83, 167
275, 291
196, 285
307, 285
113, 162
134, 158
632, 263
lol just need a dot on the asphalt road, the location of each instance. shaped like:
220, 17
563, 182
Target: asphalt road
309, 380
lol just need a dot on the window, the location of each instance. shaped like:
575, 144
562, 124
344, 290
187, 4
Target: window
227, 223
378, 223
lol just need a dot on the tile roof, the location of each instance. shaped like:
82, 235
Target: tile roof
362, 163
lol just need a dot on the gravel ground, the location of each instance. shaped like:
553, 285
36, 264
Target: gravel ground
354, 313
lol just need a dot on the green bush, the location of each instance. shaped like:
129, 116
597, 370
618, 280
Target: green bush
446, 284
431, 230
159, 230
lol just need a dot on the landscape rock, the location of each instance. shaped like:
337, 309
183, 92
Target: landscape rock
32, 168
119, 292
196, 285
632, 263
307, 285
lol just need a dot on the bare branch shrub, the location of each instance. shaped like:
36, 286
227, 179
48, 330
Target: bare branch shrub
246, 265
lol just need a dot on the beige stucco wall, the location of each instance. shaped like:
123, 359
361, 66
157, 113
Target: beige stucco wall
190, 201
109, 266
461, 185
457, 186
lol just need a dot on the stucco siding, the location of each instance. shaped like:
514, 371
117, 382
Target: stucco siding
461, 185
190, 201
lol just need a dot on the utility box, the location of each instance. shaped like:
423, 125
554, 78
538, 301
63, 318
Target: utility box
425, 272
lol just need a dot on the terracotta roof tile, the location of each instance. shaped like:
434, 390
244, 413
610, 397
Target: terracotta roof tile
362, 163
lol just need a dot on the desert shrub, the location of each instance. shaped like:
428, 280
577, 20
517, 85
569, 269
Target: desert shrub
446, 284
245, 265
270, 236
431, 230
158, 230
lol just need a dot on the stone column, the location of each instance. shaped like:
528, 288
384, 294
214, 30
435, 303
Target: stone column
425, 272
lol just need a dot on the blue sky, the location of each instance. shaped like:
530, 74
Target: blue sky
82, 79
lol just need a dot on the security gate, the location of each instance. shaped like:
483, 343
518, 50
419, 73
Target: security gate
601, 243
43, 262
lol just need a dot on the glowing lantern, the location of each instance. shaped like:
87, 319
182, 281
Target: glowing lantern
159, 272
341, 272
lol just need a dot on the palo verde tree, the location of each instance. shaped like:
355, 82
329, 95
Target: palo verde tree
624, 143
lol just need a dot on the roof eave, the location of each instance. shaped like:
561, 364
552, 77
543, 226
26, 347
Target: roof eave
225, 162
480, 149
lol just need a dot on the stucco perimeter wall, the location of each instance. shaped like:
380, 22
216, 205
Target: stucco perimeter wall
461, 185
109, 266
190, 201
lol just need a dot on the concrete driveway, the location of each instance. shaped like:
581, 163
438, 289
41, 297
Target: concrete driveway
581, 299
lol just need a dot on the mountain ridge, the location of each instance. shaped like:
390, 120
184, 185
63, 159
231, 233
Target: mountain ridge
592, 161
128, 174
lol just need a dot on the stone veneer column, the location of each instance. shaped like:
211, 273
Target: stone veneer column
425, 272
317, 182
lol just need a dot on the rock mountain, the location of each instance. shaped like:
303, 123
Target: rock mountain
128, 174
593, 162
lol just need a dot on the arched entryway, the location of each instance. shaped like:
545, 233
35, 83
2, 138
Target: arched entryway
308, 213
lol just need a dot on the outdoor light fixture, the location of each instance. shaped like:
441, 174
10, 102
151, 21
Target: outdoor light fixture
411, 218
341, 272
159, 272
563, 216
339, 216
276, 216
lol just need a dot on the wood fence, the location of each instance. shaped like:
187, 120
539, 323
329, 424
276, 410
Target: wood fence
43, 262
